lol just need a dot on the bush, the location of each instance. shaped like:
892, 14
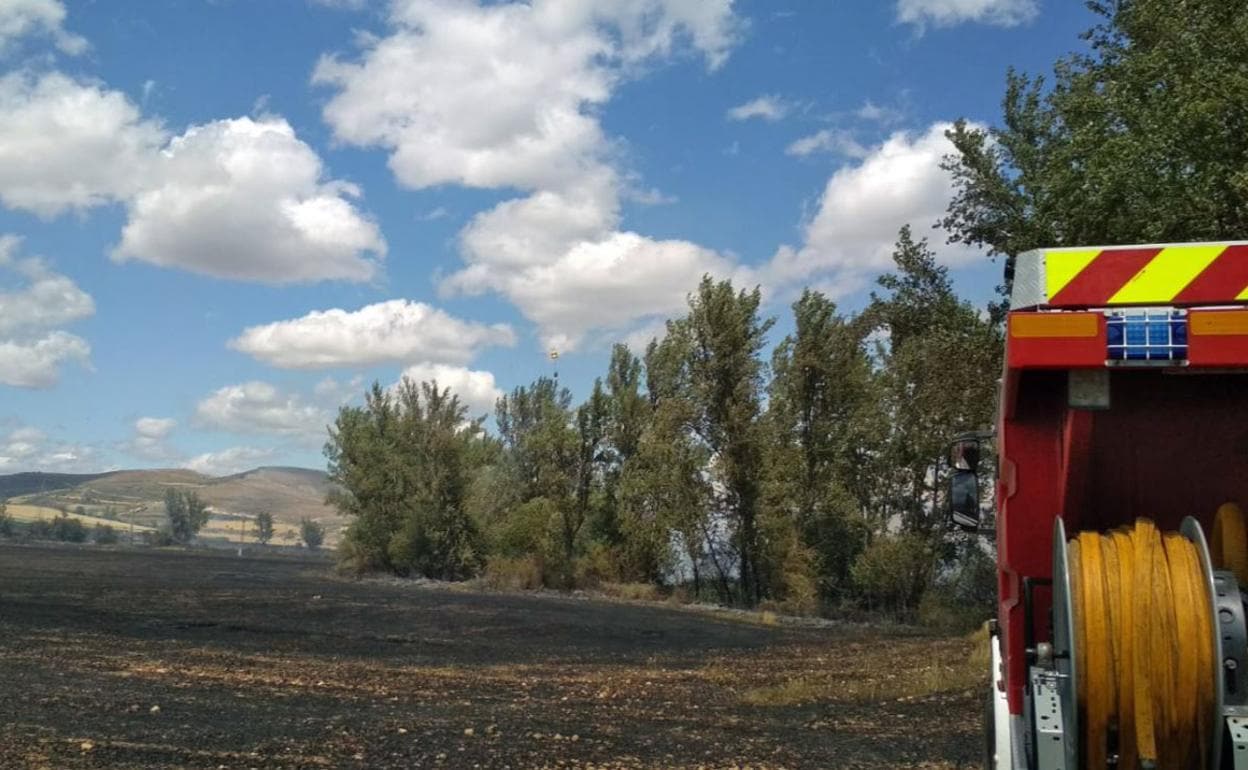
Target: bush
312, 533
105, 535
68, 530
894, 571
520, 573
7, 527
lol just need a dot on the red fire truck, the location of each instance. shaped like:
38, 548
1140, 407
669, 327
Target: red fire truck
1124, 395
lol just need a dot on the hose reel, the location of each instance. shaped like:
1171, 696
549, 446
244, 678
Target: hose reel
1149, 667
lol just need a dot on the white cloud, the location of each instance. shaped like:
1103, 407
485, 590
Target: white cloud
397, 330
827, 140
29, 449
505, 96
260, 408
612, 282
227, 462
947, 13
872, 112
28, 18
69, 145
476, 389
32, 349
150, 439
851, 236
767, 107
246, 199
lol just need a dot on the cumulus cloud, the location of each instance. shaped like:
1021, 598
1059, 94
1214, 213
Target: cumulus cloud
850, 237
261, 408
30, 449
504, 96
827, 140
150, 439
397, 330
227, 462
245, 199
32, 349
947, 13
767, 107
476, 389
70, 145
37, 18
242, 199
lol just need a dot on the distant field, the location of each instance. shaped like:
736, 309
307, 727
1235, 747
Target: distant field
231, 529
29, 513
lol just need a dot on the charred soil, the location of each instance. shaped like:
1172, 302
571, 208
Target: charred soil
149, 659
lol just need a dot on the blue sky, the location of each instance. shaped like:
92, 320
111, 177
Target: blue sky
219, 220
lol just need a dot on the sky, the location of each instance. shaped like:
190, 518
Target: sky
221, 220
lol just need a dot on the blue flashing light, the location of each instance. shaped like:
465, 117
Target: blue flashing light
1147, 335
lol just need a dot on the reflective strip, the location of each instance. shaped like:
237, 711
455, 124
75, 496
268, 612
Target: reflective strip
1061, 266
1167, 274
1219, 323
1055, 325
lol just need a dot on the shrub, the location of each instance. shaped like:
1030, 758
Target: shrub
7, 527
68, 530
894, 571
520, 573
105, 535
312, 533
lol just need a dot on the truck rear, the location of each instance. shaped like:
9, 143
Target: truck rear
1122, 459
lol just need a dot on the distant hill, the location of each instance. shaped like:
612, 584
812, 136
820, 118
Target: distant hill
290, 494
15, 484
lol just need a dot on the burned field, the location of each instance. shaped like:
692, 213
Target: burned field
130, 659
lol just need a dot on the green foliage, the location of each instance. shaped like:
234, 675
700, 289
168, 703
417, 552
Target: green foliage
104, 534
312, 533
7, 528
264, 527
186, 514
1142, 140
402, 464
894, 571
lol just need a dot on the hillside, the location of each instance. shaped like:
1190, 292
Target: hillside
137, 496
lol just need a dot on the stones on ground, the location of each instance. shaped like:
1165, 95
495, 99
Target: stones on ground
469, 732
154, 710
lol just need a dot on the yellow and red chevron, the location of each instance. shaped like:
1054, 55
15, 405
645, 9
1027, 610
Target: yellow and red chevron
1185, 274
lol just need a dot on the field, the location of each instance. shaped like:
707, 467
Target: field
29, 513
133, 659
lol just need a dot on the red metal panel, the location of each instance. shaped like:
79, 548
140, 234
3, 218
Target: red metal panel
1217, 338
1034, 352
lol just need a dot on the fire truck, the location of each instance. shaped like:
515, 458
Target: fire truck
1121, 463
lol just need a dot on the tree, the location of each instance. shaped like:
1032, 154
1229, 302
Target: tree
401, 466
6, 521
264, 527
1142, 140
725, 338
312, 533
938, 374
186, 514
820, 393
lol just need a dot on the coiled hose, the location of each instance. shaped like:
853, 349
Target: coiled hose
1144, 647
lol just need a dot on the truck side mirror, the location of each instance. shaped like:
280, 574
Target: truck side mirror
964, 499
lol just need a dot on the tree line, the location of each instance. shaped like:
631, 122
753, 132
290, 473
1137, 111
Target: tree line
805, 477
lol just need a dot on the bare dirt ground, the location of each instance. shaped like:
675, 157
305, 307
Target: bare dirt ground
131, 659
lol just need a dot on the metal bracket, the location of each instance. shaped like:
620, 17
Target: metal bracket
1050, 731
1237, 728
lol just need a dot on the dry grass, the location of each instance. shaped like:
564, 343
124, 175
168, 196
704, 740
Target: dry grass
28, 513
909, 679
634, 592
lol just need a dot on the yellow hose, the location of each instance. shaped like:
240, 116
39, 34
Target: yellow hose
1227, 545
1143, 648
